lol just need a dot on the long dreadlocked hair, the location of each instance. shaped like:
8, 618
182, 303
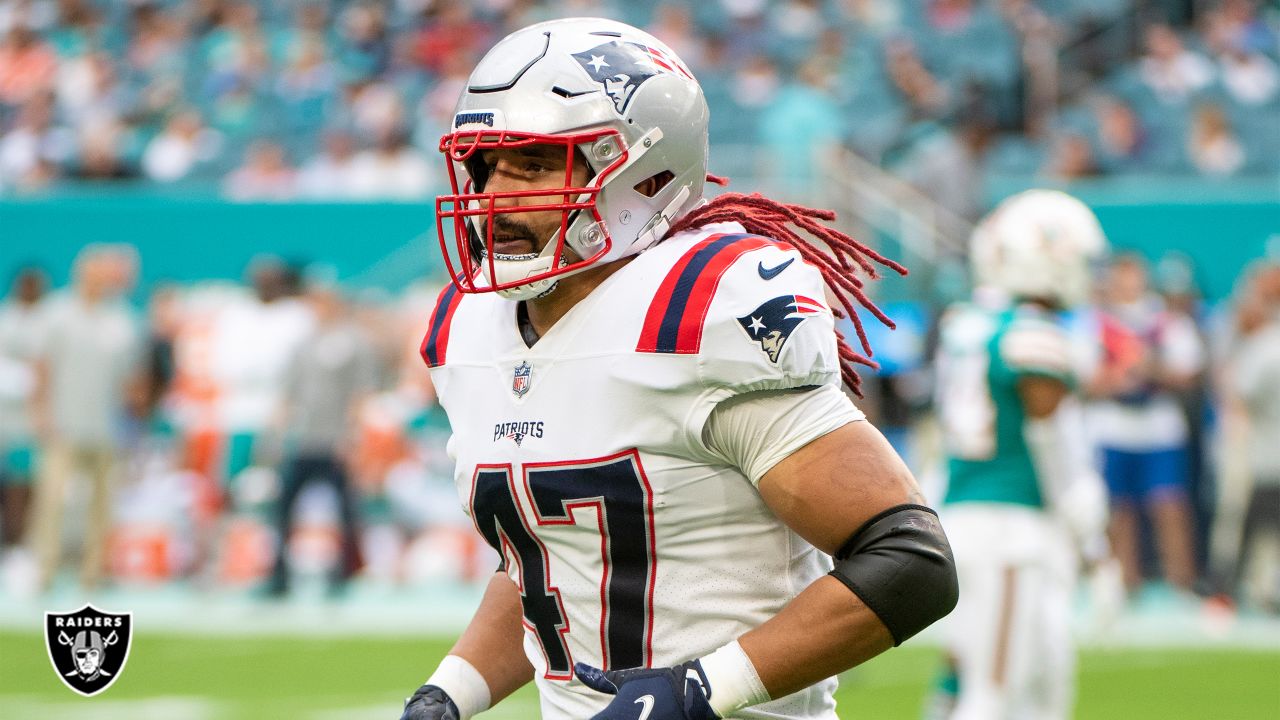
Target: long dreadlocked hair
761, 216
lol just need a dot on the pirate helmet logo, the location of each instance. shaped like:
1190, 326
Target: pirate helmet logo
88, 647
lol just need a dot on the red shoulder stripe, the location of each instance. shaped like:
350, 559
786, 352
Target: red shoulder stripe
679, 308
436, 342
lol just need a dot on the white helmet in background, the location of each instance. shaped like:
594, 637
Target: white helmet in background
1038, 244
614, 95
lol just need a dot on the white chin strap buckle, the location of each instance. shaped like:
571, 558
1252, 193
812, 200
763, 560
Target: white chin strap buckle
514, 268
661, 223
532, 291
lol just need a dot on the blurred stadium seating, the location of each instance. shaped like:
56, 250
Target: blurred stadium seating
111, 105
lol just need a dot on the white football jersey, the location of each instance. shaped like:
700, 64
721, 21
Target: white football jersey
582, 461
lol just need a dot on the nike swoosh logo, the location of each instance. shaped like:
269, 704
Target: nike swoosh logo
771, 273
647, 701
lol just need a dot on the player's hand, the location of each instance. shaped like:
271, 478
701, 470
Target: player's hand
1107, 595
674, 693
430, 703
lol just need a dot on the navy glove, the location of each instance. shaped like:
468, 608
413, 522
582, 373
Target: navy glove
674, 693
430, 703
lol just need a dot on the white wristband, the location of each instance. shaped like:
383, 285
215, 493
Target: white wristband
464, 684
733, 680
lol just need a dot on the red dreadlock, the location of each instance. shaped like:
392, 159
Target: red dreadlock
772, 219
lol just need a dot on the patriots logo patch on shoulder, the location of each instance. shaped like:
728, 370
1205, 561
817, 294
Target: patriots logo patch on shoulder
774, 321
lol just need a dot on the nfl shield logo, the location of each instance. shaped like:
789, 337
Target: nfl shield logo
88, 647
520, 382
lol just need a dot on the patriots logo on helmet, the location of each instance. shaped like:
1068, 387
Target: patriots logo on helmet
774, 321
622, 67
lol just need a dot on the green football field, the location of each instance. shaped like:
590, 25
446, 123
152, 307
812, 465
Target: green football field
173, 677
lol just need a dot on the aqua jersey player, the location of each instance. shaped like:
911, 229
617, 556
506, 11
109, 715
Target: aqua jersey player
1023, 503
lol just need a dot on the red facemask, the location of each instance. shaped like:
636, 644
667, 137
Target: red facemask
468, 244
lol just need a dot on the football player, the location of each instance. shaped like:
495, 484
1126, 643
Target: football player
645, 394
20, 317
1023, 501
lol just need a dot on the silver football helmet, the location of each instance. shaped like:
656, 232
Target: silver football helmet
603, 90
1038, 244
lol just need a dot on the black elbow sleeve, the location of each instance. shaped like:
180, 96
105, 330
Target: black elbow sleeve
900, 565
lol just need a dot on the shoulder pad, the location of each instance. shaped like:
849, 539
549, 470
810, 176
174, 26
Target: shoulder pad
1034, 342
964, 324
752, 310
676, 316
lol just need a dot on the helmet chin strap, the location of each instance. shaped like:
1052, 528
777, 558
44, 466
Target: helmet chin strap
513, 268
661, 223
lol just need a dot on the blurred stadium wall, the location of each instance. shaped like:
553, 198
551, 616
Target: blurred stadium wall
1220, 227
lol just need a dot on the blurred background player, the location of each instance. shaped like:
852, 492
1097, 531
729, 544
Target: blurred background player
1023, 504
1150, 353
1255, 386
19, 349
329, 376
89, 349
253, 342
